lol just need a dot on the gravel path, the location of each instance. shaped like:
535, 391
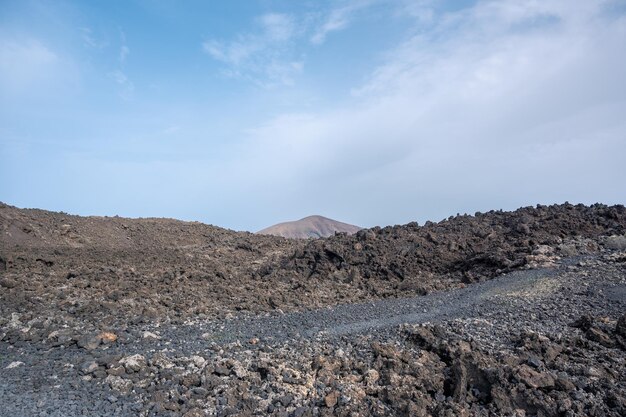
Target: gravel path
495, 296
352, 319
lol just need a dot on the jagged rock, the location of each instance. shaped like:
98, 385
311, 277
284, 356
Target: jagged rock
330, 400
599, 336
191, 380
89, 367
371, 377
161, 361
133, 363
221, 369
584, 322
116, 371
565, 384
533, 378
119, 384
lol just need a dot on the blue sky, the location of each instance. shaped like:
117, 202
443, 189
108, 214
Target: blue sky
246, 113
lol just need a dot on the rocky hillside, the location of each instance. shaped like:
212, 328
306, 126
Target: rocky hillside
310, 227
130, 269
497, 314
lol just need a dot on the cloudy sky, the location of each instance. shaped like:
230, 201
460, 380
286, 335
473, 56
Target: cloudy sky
246, 113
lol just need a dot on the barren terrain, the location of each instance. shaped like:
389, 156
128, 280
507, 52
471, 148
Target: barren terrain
500, 313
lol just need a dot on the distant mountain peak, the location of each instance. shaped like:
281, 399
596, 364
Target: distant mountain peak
314, 226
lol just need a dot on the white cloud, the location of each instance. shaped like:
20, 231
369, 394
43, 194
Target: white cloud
504, 104
126, 88
264, 57
236, 53
24, 62
124, 49
278, 27
124, 52
30, 68
422, 10
339, 18
90, 40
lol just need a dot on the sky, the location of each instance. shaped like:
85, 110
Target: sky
246, 113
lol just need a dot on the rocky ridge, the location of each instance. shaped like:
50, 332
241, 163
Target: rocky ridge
112, 269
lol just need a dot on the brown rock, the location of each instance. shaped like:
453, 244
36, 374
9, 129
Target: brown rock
584, 322
194, 412
551, 352
599, 336
459, 376
107, 337
564, 384
423, 337
371, 377
533, 378
331, 399
191, 380
502, 399
116, 371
